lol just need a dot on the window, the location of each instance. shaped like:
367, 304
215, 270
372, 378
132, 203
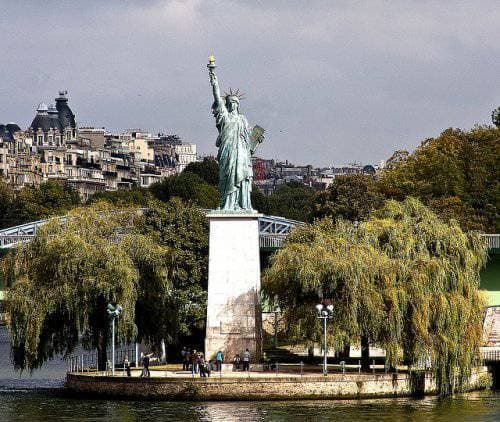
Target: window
40, 139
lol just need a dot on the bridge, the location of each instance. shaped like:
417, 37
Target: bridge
273, 231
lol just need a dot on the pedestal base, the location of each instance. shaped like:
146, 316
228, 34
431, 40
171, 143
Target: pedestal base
233, 308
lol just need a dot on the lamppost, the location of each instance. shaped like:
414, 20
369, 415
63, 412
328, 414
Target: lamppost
113, 312
325, 312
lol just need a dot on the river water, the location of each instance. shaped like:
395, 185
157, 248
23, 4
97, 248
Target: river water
38, 398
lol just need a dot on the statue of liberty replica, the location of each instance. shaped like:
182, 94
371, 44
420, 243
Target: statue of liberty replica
234, 322
237, 143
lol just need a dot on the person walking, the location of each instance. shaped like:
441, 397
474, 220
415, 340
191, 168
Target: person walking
219, 358
194, 364
246, 360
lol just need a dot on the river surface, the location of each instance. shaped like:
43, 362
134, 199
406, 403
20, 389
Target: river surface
38, 398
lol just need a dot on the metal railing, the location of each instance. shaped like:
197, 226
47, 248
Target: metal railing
492, 240
488, 356
89, 362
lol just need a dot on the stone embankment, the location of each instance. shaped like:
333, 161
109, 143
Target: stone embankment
264, 386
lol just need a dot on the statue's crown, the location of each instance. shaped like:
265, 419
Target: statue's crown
237, 94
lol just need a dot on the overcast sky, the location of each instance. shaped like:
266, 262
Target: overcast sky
331, 81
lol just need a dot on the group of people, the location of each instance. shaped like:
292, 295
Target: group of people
245, 360
196, 362
145, 360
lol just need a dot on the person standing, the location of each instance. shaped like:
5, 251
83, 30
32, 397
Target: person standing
186, 356
201, 364
246, 360
219, 357
209, 367
183, 356
126, 365
194, 363
236, 362
145, 364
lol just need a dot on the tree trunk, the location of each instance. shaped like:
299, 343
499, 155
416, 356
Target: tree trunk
344, 353
102, 357
365, 354
310, 354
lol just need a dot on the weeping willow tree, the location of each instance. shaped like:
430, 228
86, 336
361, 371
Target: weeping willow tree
403, 280
61, 282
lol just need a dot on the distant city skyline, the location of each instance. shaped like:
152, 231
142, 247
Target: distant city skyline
331, 82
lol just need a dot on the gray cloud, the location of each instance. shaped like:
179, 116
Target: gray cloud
331, 81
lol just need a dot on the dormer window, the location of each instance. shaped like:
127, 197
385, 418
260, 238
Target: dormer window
40, 139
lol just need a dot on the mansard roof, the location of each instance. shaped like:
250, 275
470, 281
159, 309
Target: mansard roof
7, 131
59, 117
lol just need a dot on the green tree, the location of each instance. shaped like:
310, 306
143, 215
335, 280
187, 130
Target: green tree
260, 202
458, 166
292, 200
6, 199
37, 202
153, 264
208, 170
351, 197
121, 197
60, 283
403, 280
183, 229
188, 187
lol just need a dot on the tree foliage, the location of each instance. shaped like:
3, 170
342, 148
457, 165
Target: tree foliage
6, 199
403, 279
351, 197
183, 229
36, 202
207, 170
60, 283
188, 187
292, 200
458, 168
121, 197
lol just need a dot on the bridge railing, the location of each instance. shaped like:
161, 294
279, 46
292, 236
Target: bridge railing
492, 240
272, 229
7, 241
490, 355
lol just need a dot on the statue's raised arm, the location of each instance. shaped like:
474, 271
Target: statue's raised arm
214, 82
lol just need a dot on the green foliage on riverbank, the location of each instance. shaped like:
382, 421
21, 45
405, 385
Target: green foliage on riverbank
33, 203
457, 174
60, 283
403, 279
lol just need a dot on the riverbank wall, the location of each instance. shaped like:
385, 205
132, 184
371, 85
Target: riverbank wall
335, 386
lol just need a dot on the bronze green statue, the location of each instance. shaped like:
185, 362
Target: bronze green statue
236, 142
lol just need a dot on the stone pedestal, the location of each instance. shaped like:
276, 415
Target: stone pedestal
233, 309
